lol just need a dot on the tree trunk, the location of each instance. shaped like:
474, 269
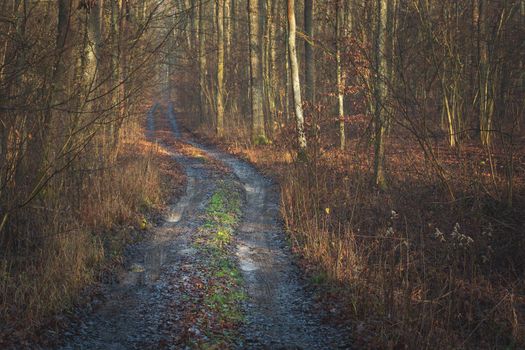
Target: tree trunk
522, 58
220, 68
202, 63
486, 98
287, 83
93, 49
122, 68
340, 30
309, 75
296, 85
63, 32
269, 66
390, 53
256, 79
227, 29
380, 92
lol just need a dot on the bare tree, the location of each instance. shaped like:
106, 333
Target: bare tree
340, 30
256, 78
220, 68
296, 84
309, 59
380, 91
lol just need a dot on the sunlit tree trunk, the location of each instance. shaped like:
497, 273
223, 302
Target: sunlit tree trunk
340, 32
220, 68
93, 46
380, 92
451, 72
256, 78
288, 83
486, 98
121, 70
296, 85
203, 72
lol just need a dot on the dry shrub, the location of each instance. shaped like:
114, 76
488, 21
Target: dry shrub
406, 283
48, 282
133, 184
59, 242
378, 256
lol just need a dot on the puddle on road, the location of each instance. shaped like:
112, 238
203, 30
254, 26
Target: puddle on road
187, 251
250, 189
140, 274
174, 217
153, 261
177, 211
245, 262
247, 265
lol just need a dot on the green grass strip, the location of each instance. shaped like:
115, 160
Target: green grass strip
225, 291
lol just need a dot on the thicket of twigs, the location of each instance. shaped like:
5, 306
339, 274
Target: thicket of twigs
75, 169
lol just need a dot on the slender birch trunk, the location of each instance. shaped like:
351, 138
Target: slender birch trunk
380, 92
296, 85
220, 68
340, 30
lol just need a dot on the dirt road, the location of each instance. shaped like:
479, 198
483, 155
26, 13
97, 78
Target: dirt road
144, 310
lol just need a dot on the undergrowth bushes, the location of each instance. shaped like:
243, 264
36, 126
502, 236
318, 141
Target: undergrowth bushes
409, 267
405, 268
55, 246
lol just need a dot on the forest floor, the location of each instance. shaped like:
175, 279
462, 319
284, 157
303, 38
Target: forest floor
216, 273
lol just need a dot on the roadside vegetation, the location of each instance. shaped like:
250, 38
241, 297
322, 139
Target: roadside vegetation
78, 179
395, 131
407, 266
78, 247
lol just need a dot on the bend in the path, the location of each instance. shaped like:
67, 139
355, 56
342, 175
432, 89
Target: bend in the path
280, 311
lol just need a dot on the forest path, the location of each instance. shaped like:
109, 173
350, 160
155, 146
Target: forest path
280, 312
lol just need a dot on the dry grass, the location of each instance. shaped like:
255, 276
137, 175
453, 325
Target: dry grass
77, 229
407, 286
379, 256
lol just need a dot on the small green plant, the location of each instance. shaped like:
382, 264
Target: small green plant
319, 278
222, 237
216, 202
143, 223
261, 140
224, 294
